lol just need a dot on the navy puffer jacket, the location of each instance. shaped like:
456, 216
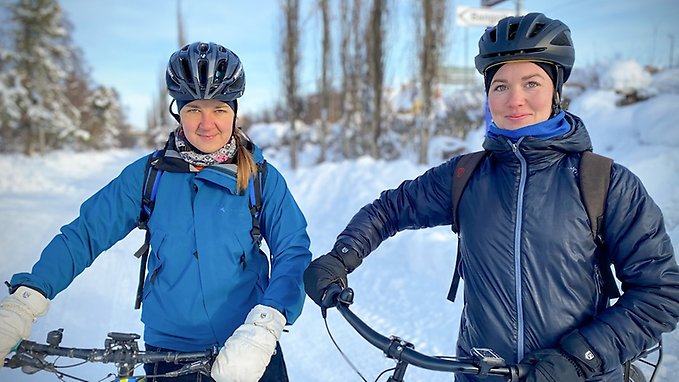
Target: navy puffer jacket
528, 256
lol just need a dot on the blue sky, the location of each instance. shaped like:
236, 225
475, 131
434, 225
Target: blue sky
127, 43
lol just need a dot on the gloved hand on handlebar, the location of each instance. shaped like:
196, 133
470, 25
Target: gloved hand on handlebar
17, 313
574, 360
248, 351
331, 268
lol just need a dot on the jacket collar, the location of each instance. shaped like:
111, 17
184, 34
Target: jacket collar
222, 174
542, 152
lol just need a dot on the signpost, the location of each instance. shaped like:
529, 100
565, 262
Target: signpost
483, 17
490, 3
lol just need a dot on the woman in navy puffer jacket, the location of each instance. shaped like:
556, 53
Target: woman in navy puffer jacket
207, 283
533, 289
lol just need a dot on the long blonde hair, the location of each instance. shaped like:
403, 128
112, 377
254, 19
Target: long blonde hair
245, 160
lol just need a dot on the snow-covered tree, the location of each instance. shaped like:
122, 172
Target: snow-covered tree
103, 122
159, 122
36, 74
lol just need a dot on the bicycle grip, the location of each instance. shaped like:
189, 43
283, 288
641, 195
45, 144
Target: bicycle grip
519, 372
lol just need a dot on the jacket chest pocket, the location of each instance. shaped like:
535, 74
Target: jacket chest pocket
254, 262
170, 259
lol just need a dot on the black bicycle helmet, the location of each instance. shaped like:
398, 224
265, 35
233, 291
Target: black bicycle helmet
205, 70
533, 37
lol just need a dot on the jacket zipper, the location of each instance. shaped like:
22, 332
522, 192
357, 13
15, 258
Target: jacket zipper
517, 250
598, 283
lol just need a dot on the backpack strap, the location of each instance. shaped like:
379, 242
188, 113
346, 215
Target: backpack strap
148, 198
595, 178
464, 168
255, 188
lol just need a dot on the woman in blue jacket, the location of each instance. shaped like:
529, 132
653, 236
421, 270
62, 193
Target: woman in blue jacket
207, 282
532, 283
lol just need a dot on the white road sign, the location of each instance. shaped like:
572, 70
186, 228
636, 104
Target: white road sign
490, 3
467, 16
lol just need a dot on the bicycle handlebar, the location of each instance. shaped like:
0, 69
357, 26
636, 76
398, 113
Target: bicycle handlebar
483, 361
119, 348
107, 356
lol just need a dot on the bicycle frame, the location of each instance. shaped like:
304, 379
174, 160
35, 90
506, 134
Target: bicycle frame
121, 349
483, 362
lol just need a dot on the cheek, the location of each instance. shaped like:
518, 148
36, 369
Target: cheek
543, 103
189, 127
494, 104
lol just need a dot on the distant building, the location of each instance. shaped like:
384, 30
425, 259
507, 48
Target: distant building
459, 75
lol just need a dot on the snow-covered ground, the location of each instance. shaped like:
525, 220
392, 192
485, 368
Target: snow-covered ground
400, 289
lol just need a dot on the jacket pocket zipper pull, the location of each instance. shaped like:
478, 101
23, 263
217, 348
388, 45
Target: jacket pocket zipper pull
242, 261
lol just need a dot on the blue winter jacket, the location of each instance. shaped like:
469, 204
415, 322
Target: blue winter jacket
205, 272
528, 257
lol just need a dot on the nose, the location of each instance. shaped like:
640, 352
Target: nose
516, 98
207, 119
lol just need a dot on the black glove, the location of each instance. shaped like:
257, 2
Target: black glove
574, 360
330, 268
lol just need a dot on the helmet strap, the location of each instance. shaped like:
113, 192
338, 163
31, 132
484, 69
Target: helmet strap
175, 115
235, 114
558, 85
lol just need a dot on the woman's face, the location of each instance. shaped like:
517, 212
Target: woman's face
207, 124
520, 95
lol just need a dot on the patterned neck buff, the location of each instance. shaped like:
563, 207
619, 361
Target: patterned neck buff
195, 157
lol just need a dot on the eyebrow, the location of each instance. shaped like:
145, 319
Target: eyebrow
215, 107
524, 78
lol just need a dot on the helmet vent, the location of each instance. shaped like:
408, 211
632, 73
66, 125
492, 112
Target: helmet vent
202, 73
221, 71
562, 40
186, 69
538, 27
512, 31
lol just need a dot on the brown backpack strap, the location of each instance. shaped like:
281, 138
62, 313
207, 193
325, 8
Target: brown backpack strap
464, 168
595, 178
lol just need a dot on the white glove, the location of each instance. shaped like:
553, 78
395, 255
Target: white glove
17, 313
248, 351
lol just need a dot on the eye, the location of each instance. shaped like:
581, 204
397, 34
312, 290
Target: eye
532, 84
500, 88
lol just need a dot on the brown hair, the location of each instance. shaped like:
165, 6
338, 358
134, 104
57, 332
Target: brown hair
245, 160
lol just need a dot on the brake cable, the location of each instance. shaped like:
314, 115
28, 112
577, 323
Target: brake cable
340, 350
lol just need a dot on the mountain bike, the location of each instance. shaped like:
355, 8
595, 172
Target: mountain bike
120, 349
483, 362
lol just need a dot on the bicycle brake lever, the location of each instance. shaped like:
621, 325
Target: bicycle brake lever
346, 296
28, 364
203, 367
331, 297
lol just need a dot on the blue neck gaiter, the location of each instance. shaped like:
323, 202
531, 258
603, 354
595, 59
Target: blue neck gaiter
551, 128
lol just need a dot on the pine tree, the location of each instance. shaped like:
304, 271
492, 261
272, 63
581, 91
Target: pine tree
103, 120
43, 57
